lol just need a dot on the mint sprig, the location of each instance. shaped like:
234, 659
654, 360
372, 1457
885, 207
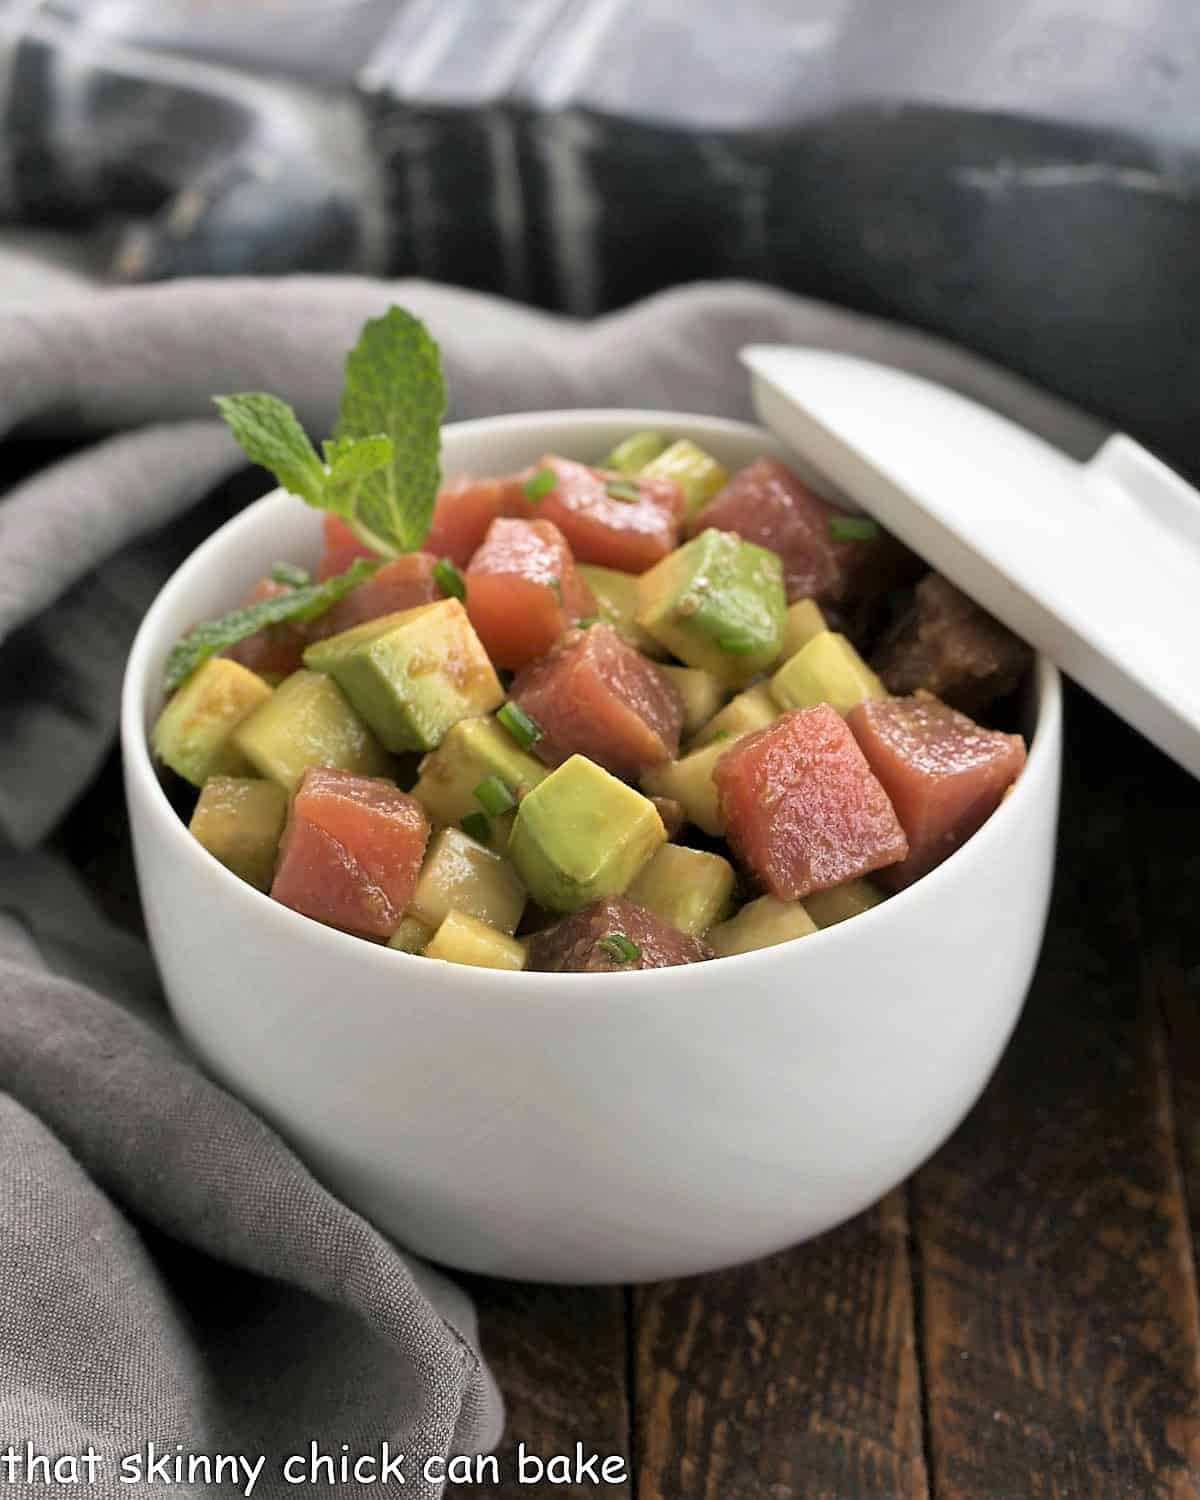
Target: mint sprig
394, 385
293, 607
381, 469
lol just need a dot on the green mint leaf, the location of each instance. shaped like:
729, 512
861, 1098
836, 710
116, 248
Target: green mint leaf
350, 462
205, 641
394, 386
269, 433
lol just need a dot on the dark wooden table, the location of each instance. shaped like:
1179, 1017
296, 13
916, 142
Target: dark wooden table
1018, 1321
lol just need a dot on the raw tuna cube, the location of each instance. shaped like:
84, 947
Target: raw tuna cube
606, 527
341, 547
766, 503
523, 590
802, 808
950, 647
277, 650
402, 584
577, 942
351, 852
464, 511
944, 773
595, 695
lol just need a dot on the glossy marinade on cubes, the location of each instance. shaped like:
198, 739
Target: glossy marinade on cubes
944, 773
588, 941
802, 807
523, 590
767, 503
594, 695
351, 852
619, 521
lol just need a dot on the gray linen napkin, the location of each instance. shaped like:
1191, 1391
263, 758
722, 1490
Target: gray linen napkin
169, 1272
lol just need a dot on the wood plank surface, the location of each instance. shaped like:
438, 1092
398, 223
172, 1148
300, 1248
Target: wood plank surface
1057, 1282
560, 1356
1170, 892
795, 1377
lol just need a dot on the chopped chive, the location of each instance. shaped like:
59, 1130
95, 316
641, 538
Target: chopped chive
621, 489
494, 797
588, 620
523, 729
617, 946
556, 585
540, 484
853, 528
721, 734
449, 579
289, 573
478, 827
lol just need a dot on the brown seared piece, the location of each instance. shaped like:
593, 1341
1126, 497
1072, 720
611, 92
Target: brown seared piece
578, 944
950, 647
595, 695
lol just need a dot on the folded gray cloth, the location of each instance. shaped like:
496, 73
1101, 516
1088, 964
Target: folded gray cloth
169, 1272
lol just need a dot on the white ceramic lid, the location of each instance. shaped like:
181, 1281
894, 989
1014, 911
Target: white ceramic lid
1095, 564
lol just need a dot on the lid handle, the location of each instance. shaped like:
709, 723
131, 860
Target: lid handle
1161, 495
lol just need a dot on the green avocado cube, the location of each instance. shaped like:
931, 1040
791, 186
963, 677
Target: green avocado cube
239, 820
582, 835
717, 603
702, 695
689, 781
686, 887
751, 710
840, 902
803, 620
413, 674
697, 473
307, 722
473, 751
761, 924
827, 670
193, 732
616, 596
634, 453
412, 936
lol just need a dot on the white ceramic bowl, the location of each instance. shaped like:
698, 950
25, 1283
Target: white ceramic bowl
582, 1127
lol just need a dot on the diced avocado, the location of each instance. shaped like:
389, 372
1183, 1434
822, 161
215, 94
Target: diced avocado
413, 674
307, 722
192, 734
802, 621
466, 940
686, 887
761, 924
634, 453
581, 835
751, 710
239, 821
827, 670
702, 695
697, 473
617, 602
689, 781
473, 750
717, 603
461, 875
828, 908
412, 936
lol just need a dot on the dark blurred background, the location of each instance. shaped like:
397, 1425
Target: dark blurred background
1021, 176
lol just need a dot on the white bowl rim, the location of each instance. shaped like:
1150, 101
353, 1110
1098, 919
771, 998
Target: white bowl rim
294, 926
